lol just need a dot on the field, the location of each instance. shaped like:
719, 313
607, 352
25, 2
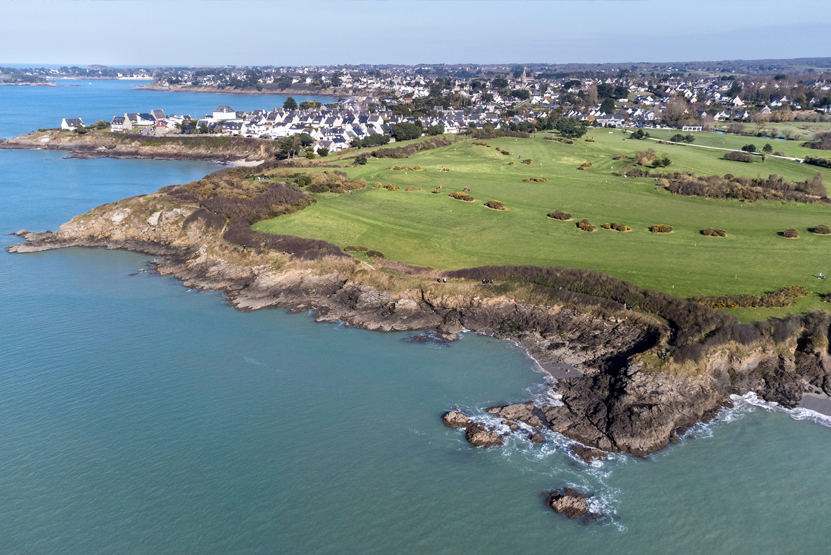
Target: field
426, 229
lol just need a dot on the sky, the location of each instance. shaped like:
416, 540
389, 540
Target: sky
289, 33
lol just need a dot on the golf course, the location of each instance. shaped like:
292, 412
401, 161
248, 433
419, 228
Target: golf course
415, 225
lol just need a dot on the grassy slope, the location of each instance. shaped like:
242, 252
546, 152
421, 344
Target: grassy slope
434, 230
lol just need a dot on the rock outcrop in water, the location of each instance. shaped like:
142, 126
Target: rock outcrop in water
633, 389
568, 502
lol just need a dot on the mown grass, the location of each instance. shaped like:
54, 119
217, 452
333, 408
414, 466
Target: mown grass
428, 229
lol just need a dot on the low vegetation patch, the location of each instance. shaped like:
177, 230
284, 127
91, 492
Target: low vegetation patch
821, 230
616, 227
391, 187
496, 205
620, 157
747, 188
559, 140
817, 161
560, 215
660, 228
355, 249
409, 189
712, 232
776, 299
584, 165
738, 157
528, 161
479, 143
586, 225
679, 138
375, 254
404, 168
535, 180
412, 148
790, 234
822, 141
461, 196
590, 140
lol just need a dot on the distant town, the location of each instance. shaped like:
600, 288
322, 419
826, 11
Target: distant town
370, 103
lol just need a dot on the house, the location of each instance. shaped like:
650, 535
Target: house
120, 123
157, 114
691, 128
137, 119
71, 124
223, 113
232, 127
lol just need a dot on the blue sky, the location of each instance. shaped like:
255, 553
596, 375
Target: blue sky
262, 32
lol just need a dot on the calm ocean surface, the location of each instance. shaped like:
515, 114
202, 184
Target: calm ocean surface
137, 416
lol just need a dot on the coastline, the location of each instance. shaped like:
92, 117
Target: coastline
616, 396
330, 93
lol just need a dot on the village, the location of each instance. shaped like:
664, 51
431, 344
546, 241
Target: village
379, 100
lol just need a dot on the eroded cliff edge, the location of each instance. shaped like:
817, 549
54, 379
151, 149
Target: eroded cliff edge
645, 363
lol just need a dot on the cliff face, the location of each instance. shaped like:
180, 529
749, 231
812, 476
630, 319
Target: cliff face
620, 399
115, 145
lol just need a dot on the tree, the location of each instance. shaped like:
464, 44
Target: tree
767, 149
361, 160
310, 154
570, 128
608, 106
305, 139
749, 148
289, 146
406, 131
437, 129
290, 104
323, 152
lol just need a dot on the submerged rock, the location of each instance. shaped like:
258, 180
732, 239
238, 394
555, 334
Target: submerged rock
568, 502
480, 435
456, 419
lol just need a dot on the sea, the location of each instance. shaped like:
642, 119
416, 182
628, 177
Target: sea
139, 416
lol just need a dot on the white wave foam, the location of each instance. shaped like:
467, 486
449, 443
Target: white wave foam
748, 400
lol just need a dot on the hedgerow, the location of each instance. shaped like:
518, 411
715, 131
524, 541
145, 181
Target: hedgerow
776, 299
746, 188
738, 157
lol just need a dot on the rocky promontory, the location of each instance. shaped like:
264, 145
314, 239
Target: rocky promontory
641, 376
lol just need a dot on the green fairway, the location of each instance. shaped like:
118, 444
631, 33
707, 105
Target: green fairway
427, 229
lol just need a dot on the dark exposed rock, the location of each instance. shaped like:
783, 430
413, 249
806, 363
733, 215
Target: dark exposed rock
456, 419
587, 454
568, 502
536, 438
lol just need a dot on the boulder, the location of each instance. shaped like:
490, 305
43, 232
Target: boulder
536, 438
568, 502
456, 419
480, 435
587, 453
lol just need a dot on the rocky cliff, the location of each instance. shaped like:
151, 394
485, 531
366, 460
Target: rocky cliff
619, 390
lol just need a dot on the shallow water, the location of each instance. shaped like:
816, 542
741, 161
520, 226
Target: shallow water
138, 416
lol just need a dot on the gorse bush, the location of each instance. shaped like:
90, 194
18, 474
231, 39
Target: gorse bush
528, 161
584, 165
791, 234
355, 249
738, 157
535, 180
776, 299
660, 228
496, 205
585, 225
711, 232
410, 149
375, 254
559, 140
747, 188
392, 187
645, 157
616, 227
559, 215
461, 196
821, 230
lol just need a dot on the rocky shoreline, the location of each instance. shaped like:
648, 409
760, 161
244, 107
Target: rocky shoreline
624, 397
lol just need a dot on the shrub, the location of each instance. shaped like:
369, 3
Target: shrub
749, 148
790, 234
711, 232
645, 157
496, 205
410, 149
616, 227
436, 191
590, 140
661, 162
478, 143
817, 161
392, 187
559, 215
621, 157
375, 254
660, 228
505, 152
821, 230
378, 185
746, 188
559, 140
528, 161
361, 160
586, 225
775, 299
511, 163
584, 165
409, 189
738, 157
461, 196
355, 249
535, 180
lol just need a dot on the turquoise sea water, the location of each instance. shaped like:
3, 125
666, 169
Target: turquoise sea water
137, 416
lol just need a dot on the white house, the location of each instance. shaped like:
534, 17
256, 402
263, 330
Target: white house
223, 113
71, 123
